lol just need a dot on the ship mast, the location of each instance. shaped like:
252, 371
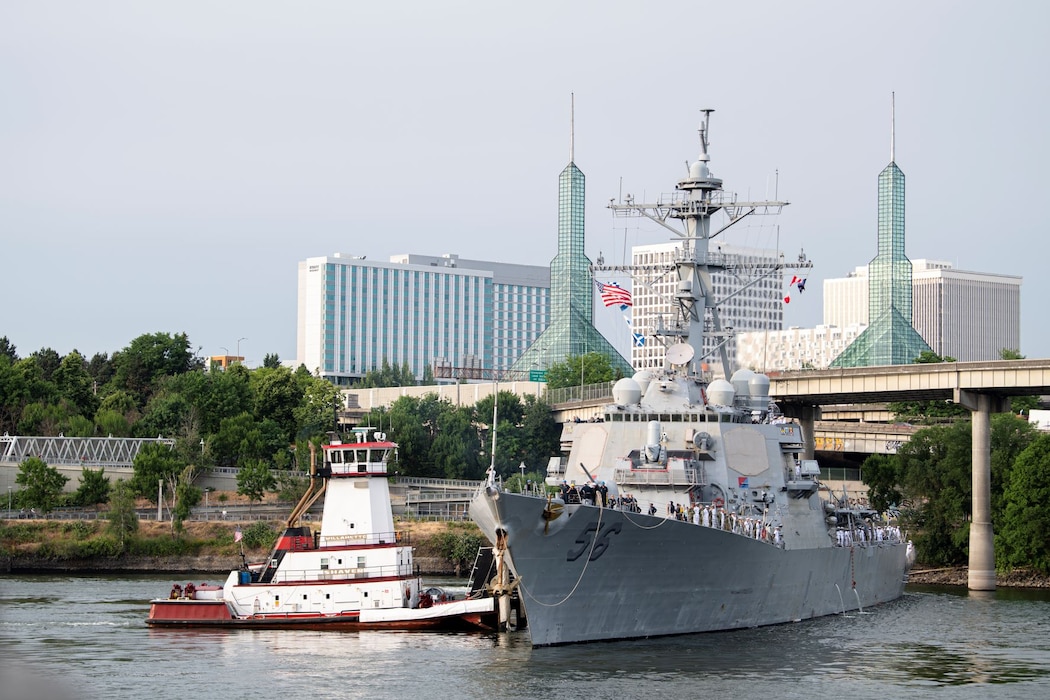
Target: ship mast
698, 198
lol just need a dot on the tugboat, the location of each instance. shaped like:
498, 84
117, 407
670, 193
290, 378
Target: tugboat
708, 516
355, 573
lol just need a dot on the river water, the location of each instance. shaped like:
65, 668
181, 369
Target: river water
84, 637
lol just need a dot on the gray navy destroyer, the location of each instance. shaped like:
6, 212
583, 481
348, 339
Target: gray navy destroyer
697, 509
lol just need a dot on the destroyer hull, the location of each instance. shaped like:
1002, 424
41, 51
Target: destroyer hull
600, 574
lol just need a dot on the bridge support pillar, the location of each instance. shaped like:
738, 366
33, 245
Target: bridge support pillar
981, 576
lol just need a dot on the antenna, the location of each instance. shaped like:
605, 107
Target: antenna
572, 125
893, 120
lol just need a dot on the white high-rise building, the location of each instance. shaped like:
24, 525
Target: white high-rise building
443, 311
969, 316
751, 302
966, 315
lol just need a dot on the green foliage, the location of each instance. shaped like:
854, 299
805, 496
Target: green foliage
271, 361
102, 546
186, 497
75, 384
41, 418
94, 488
577, 370
123, 521
275, 396
149, 358
258, 535
8, 350
41, 485
243, 438
254, 480
437, 439
935, 469
933, 472
388, 376
316, 410
882, 474
154, 463
459, 546
1024, 536
291, 486
48, 360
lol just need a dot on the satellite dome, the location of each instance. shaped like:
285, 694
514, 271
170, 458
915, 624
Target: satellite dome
742, 382
626, 392
643, 378
720, 393
759, 389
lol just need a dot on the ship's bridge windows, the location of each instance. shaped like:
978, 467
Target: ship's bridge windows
361, 456
335, 457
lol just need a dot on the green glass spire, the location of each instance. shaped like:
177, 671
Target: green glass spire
571, 330
889, 338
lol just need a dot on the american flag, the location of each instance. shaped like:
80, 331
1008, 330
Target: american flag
614, 295
238, 535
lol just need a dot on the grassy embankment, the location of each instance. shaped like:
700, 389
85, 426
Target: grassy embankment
82, 545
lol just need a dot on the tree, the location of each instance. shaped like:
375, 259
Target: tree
48, 360
21, 384
149, 357
254, 479
75, 384
94, 488
1024, 538
315, 414
935, 473
243, 437
271, 361
8, 350
275, 396
577, 370
454, 450
123, 520
41, 484
154, 463
882, 475
541, 435
185, 496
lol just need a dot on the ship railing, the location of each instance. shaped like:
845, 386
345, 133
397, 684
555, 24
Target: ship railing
343, 573
371, 538
659, 477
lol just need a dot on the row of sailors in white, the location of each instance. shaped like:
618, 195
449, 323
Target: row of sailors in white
755, 528
867, 534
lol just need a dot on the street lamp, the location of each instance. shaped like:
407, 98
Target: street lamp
239, 349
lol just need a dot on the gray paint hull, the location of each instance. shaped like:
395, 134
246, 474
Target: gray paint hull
599, 574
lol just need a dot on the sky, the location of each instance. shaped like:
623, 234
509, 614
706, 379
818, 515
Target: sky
164, 166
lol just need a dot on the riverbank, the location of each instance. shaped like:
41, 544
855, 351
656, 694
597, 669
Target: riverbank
958, 576
34, 546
